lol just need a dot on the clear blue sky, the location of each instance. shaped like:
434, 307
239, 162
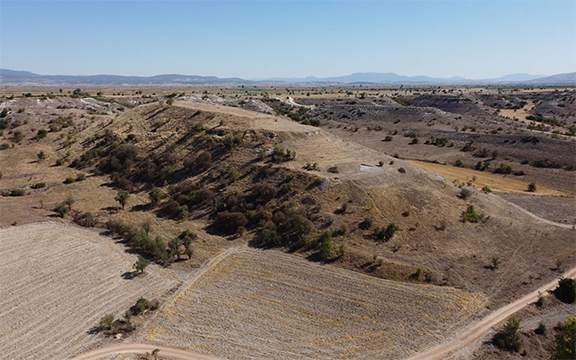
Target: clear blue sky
257, 39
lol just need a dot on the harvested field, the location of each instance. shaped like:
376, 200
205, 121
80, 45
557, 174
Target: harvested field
266, 304
57, 281
554, 208
480, 178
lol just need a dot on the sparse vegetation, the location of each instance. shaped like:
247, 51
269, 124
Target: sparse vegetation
508, 338
385, 233
471, 215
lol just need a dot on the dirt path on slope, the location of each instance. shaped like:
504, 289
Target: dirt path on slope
171, 353
534, 216
477, 330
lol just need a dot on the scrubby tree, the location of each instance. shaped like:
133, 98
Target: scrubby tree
106, 322
122, 198
174, 248
365, 224
155, 196
187, 237
64, 207
508, 338
566, 290
141, 264
473, 216
41, 155
532, 187
41, 134
565, 340
385, 233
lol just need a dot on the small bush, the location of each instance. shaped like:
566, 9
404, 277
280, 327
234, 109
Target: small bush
566, 290
365, 224
541, 329
62, 209
465, 193
142, 306
531, 187
281, 155
86, 219
41, 134
140, 265
17, 192
385, 233
328, 251
122, 198
229, 222
565, 340
472, 216
311, 167
39, 185
508, 338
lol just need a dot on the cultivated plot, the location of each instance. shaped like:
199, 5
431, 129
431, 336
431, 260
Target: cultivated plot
266, 304
57, 281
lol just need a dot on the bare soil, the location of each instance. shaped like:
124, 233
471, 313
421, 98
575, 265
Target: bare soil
57, 282
265, 304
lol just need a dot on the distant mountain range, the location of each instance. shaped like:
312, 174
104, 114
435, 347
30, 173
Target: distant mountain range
12, 77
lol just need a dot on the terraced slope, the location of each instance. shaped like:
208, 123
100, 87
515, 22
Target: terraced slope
265, 304
57, 281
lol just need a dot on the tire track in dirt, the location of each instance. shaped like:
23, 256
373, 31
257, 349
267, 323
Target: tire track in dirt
477, 330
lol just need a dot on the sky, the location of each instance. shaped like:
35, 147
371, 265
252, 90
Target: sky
283, 38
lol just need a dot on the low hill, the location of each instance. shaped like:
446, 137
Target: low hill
11, 77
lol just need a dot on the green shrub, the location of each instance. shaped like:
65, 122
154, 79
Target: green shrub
566, 290
365, 224
472, 216
156, 195
385, 233
141, 264
565, 340
508, 338
328, 251
41, 134
465, 193
541, 329
39, 185
17, 192
85, 219
228, 223
122, 198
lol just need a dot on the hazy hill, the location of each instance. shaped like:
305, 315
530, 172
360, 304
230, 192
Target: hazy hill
12, 77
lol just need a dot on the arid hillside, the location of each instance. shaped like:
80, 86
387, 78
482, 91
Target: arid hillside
318, 195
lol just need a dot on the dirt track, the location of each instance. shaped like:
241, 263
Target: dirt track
168, 352
478, 329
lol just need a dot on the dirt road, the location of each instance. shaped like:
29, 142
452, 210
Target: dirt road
477, 330
549, 222
167, 352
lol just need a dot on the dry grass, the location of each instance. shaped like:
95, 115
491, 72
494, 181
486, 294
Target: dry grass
266, 304
57, 282
480, 179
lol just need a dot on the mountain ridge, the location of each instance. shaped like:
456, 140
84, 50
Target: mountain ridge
17, 77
